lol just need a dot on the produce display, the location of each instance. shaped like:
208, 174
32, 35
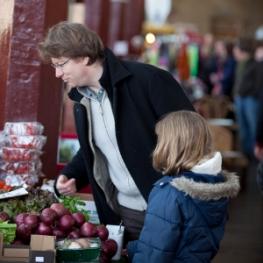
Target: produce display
26, 142
21, 167
34, 202
21, 145
10, 154
36, 211
74, 204
23, 128
40, 213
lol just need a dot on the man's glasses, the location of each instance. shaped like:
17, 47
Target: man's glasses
61, 65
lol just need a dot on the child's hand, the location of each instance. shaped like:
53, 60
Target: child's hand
124, 255
258, 151
124, 252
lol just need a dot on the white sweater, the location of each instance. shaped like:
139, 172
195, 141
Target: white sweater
104, 136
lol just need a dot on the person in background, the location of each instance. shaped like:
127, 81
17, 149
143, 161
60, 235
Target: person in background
246, 95
258, 148
117, 104
187, 208
223, 78
207, 61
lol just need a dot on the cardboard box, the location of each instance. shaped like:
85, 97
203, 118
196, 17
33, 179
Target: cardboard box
41, 249
13, 253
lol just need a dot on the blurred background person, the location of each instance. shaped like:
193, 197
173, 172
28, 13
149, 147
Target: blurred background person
207, 61
223, 78
246, 95
258, 148
259, 85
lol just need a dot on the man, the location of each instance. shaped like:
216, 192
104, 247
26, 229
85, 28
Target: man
117, 104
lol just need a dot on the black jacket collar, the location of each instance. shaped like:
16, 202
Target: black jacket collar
113, 72
113, 68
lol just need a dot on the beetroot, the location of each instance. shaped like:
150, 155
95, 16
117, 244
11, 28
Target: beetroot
109, 247
19, 219
59, 209
4, 217
88, 230
48, 216
79, 218
58, 233
31, 221
44, 229
103, 232
66, 222
23, 232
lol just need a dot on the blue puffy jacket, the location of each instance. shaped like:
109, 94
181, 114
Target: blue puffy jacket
185, 219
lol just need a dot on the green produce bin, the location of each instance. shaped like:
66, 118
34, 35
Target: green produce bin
82, 255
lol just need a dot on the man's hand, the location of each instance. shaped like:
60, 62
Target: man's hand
66, 186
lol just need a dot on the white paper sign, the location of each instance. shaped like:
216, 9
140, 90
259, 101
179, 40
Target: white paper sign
14, 193
39, 259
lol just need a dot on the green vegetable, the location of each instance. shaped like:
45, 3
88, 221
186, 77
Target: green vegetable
74, 204
9, 232
35, 201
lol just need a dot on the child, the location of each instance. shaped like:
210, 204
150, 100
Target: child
187, 208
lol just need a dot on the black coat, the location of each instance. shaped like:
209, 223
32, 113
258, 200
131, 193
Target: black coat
139, 94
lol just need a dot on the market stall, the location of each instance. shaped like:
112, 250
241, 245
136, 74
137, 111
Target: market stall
35, 224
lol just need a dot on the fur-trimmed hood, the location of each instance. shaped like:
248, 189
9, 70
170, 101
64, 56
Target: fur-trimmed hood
228, 187
206, 182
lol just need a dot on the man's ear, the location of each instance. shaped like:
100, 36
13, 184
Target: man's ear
86, 61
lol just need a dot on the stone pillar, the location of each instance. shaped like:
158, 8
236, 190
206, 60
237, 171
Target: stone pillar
28, 89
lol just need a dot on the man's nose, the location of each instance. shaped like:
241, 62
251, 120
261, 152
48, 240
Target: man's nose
59, 72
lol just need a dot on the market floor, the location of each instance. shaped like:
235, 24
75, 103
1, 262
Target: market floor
243, 239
